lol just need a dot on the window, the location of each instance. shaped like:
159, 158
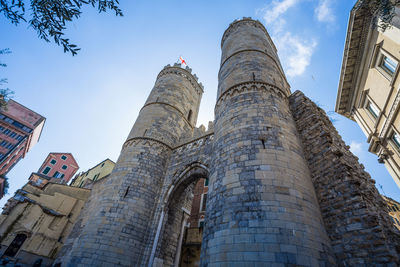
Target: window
189, 115
53, 161
205, 182
389, 65
57, 174
102, 165
64, 167
203, 202
15, 245
46, 170
9, 146
372, 108
7, 131
386, 64
63, 157
201, 224
96, 176
3, 143
396, 139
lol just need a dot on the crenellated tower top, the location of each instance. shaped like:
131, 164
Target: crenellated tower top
185, 73
248, 20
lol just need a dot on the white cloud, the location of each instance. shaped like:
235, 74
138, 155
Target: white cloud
324, 11
276, 9
356, 148
295, 52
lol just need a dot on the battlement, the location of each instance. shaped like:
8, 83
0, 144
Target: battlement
249, 20
198, 133
184, 72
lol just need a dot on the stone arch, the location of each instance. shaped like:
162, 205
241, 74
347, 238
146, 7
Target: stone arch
177, 203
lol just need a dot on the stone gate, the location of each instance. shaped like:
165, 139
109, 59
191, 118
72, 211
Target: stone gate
284, 189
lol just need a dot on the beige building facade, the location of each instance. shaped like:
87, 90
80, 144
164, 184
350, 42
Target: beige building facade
96, 173
394, 210
36, 221
369, 87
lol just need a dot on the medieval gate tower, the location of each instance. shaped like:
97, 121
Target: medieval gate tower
284, 188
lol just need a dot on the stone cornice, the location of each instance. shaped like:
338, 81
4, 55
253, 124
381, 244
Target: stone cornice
150, 141
207, 134
250, 86
185, 73
357, 32
250, 21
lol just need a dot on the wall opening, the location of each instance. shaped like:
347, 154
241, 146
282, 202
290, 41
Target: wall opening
15, 245
189, 117
181, 234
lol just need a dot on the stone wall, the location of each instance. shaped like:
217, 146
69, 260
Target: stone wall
355, 216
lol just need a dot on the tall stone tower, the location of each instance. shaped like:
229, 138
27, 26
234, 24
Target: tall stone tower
120, 217
261, 206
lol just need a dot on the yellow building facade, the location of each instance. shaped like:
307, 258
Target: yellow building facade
36, 221
394, 210
98, 172
369, 92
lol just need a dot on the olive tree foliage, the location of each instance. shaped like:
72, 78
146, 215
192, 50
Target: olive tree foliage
5, 93
383, 9
50, 17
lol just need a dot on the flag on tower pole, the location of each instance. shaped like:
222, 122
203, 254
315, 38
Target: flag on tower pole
183, 62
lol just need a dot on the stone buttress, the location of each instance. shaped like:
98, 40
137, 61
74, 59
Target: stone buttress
120, 225
261, 208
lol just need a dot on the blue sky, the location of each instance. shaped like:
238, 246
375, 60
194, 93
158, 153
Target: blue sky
92, 100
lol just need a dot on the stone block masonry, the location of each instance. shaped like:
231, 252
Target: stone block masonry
284, 190
261, 195
355, 215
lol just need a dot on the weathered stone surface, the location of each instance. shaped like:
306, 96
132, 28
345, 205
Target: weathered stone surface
354, 213
260, 187
263, 157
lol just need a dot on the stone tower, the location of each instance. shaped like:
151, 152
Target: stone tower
284, 189
120, 218
261, 205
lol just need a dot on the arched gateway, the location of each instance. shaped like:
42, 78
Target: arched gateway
262, 208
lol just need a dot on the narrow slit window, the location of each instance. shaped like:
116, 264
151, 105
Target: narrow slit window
189, 115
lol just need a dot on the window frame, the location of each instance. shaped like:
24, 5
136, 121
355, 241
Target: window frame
45, 170
368, 102
379, 64
51, 161
203, 203
395, 144
62, 167
64, 156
